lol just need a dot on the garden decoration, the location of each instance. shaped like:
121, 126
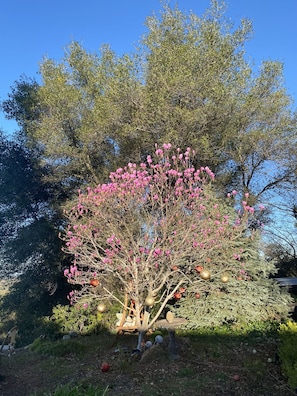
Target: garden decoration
171, 323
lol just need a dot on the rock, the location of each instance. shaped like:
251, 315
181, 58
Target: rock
155, 353
73, 334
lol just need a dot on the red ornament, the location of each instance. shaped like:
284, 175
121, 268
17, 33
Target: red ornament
94, 282
199, 268
105, 367
182, 289
174, 268
236, 377
177, 295
197, 295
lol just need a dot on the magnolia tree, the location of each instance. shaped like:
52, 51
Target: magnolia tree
158, 233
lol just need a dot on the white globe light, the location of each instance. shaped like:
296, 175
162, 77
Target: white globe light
158, 339
148, 344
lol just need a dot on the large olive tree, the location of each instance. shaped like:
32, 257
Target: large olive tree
189, 82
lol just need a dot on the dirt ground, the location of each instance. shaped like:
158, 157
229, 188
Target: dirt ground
203, 367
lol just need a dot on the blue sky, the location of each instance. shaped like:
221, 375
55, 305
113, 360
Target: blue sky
30, 30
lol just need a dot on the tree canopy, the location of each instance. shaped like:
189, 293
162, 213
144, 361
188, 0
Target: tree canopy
189, 82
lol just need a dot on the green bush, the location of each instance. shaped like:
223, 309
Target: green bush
260, 328
288, 351
82, 319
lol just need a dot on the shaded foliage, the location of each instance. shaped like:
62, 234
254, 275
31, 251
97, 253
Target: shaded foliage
30, 248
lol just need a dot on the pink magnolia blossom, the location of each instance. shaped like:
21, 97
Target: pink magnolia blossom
147, 228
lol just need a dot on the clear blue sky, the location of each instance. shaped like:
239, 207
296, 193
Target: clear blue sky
31, 29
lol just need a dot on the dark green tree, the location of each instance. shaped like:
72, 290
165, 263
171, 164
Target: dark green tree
21, 104
31, 257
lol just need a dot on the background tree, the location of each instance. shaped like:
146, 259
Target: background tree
189, 83
282, 241
22, 102
158, 232
201, 91
31, 257
86, 104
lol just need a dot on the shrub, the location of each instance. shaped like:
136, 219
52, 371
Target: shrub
80, 318
83, 319
288, 351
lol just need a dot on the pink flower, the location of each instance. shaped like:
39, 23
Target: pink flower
110, 239
157, 252
159, 153
73, 269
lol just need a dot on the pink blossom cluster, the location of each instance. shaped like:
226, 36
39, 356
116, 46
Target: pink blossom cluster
150, 217
72, 273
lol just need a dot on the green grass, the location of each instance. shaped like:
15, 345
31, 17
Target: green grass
288, 351
78, 390
58, 348
208, 362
